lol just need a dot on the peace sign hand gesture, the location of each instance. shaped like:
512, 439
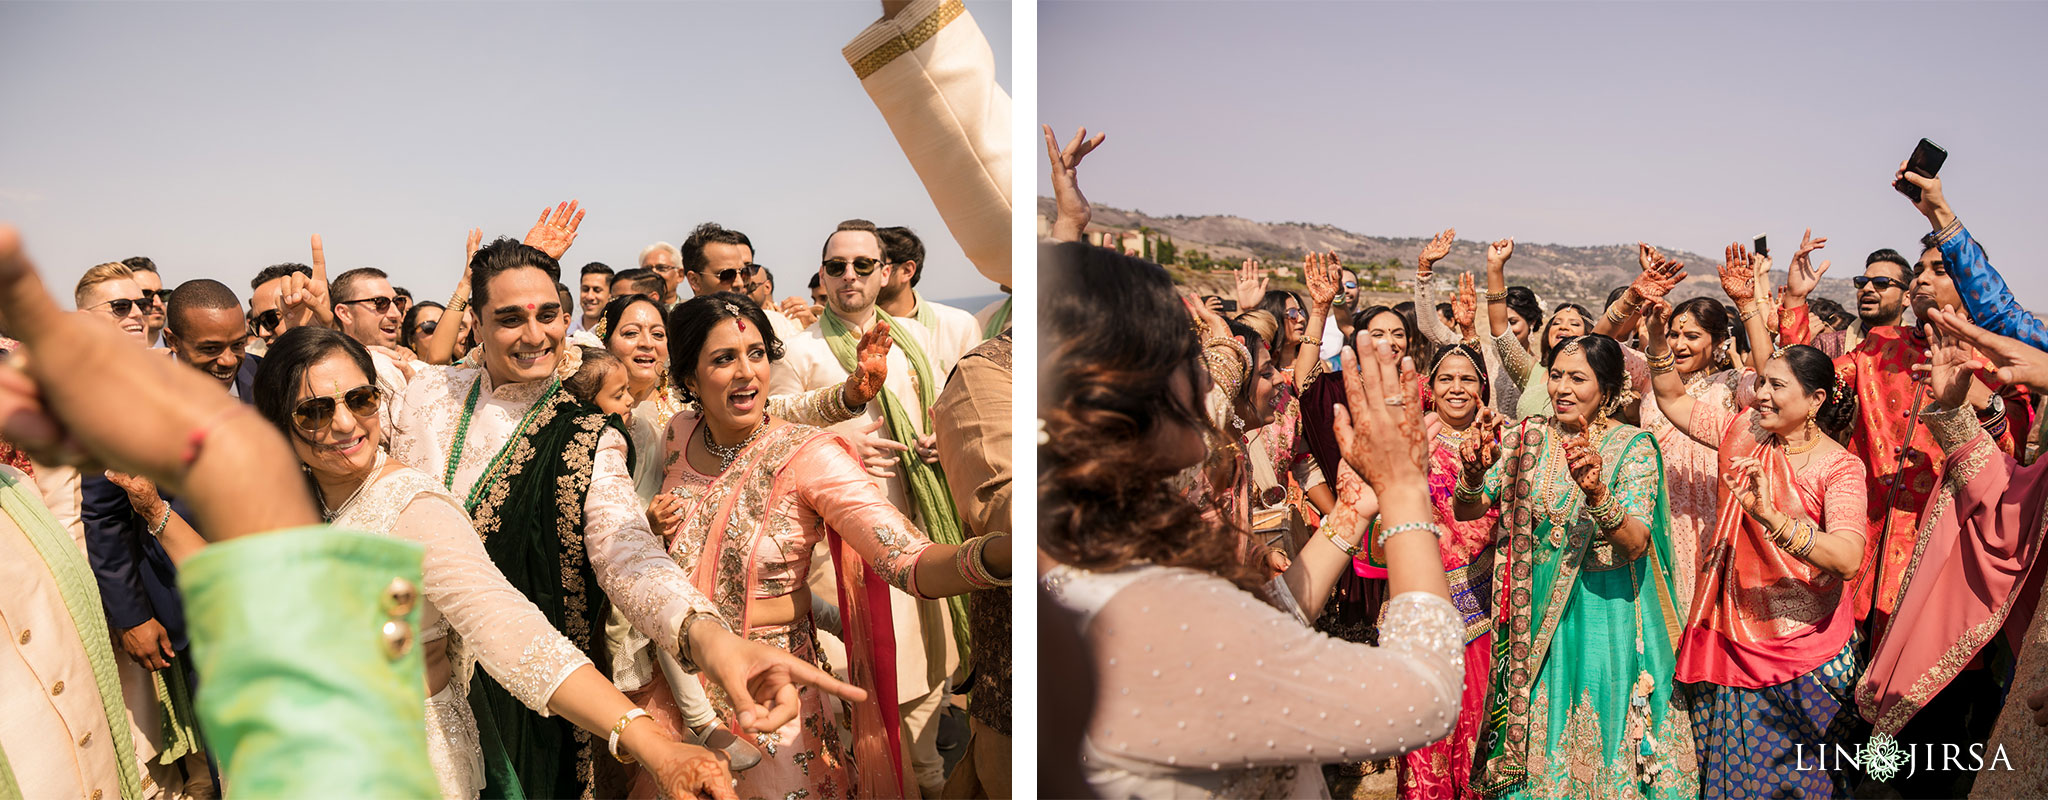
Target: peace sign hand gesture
554, 235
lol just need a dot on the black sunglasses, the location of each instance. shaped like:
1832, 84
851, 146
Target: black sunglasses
427, 328
381, 304
862, 266
267, 320
121, 306
313, 413
727, 275
1882, 283
150, 296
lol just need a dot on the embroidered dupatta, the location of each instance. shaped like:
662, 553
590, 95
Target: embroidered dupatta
531, 522
729, 514
1761, 616
1562, 586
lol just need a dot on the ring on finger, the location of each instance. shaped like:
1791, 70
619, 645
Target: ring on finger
1397, 401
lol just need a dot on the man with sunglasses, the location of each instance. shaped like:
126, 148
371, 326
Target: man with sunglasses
153, 295
852, 275
366, 307
110, 291
1880, 302
719, 259
662, 258
266, 317
953, 331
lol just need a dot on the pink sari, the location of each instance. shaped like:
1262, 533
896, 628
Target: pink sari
1760, 615
723, 521
1443, 770
1975, 572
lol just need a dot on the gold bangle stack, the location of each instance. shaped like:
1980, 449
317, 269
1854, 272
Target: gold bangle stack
1497, 297
1662, 364
1795, 538
1608, 514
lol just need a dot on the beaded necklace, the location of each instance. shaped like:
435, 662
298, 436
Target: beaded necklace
490, 473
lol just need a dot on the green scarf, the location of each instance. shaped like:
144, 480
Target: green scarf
927, 482
997, 323
82, 598
531, 521
174, 697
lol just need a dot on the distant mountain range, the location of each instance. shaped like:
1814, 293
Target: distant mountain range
1557, 273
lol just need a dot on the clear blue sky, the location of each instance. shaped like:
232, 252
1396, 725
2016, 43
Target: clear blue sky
1687, 124
216, 137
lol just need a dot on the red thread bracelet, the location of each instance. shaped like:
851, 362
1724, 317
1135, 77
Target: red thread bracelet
194, 441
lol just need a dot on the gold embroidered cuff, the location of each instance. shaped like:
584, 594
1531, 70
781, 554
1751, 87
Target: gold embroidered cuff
890, 39
1952, 427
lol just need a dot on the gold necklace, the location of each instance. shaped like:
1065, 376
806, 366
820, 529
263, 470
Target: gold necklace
1802, 447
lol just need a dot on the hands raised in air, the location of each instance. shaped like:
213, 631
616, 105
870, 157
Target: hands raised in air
553, 234
1073, 209
1251, 285
1659, 273
1498, 253
1324, 277
1801, 276
1379, 427
2012, 360
1434, 251
1738, 274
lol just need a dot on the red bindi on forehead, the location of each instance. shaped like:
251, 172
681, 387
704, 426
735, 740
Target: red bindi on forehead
530, 306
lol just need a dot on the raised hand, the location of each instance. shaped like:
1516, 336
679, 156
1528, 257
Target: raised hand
1354, 493
1321, 275
1738, 278
1481, 448
302, 300
1435, 251
1950, 367
1379, 427
553, 234
872, 358
1659, 274
1801, 276
1656, 311
1073, 209
1647, 255
1498, 253
1932, 204
1464, 304
2012, 360
1584, 461
1251, 285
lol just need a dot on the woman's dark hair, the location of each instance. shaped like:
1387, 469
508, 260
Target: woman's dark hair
1816, 373
690, 324
1418, 348
1115, 333
1603, 355
1478, 365
1522, 301
284, 366
616, 308
1275, 302
412, 317
1830, 312
1710, 316
1543, 334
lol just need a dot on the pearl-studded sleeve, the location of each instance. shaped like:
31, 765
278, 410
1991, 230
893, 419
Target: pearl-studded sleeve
1196, 673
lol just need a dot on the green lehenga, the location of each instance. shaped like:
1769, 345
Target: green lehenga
1599, 720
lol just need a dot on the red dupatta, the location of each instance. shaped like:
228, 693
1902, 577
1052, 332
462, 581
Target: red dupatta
1760, 615
726, 572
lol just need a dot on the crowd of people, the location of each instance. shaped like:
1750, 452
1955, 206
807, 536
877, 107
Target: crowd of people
656, 535
1502, 549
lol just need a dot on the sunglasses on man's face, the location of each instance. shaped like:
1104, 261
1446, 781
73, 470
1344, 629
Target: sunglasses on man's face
1351, 284
862, 266
1879, 283
727, 275
156, 297
121, 307
379, 304
314, 413
268, 320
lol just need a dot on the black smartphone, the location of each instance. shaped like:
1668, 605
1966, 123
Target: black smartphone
1926, 162
1760, 246
1229, 306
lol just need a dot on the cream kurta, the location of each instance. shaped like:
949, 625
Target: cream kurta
931, 74
53, 724
808, 364
632, 566
958, 332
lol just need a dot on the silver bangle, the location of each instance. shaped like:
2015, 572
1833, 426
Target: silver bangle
1380, 541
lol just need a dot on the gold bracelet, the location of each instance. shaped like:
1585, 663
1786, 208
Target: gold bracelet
1310, 340
1497, 297
624, 720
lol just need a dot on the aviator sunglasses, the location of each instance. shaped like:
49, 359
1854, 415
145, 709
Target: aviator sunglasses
1881, 283
862, 266
313, 413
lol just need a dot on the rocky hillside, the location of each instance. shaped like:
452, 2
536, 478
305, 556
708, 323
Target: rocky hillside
1556, 272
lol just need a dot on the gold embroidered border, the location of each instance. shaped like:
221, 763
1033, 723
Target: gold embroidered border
908, 40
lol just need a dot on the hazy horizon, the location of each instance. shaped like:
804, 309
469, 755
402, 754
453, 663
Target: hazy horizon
215, 138
1581, 124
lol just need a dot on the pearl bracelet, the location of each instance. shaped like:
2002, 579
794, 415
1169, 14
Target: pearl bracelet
1389, 533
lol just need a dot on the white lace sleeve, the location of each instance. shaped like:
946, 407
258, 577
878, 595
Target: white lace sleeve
1516, 358
1431, 324
1197, 673
504, 630
822, 407
636, 572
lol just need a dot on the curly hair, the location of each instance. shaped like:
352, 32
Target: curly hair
1115, 336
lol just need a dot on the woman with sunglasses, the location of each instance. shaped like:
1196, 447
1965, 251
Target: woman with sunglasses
317, 388
421, 320
755, 496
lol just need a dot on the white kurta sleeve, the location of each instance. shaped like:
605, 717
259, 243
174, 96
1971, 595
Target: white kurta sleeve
632, 566
509, 636
932, 75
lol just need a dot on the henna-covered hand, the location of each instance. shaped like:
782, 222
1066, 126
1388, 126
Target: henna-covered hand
553, 234
1320, 273
1379, 427
1584, 462
1464, 304
872, 358
1738, 277
1434, 251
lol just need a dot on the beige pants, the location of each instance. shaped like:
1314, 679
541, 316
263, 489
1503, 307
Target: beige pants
921, 734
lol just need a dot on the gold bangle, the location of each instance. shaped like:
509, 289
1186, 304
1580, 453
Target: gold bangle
1312, 341
1497, 297
624, 720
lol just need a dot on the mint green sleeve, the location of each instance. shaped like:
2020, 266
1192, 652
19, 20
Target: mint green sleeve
298, 695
